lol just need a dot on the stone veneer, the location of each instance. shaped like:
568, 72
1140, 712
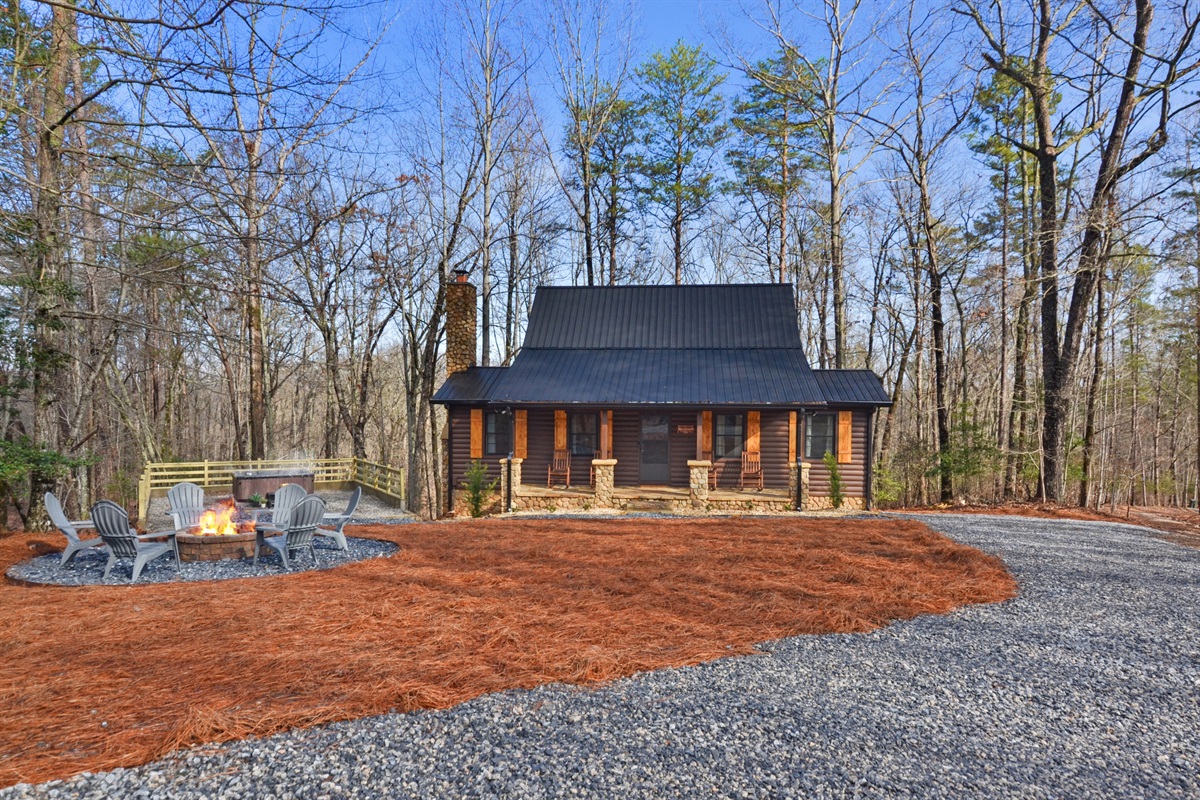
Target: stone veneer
602, 494
460, 326
826, 504
603, 469
698, 482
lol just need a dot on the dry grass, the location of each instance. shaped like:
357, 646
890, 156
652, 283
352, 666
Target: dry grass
97, 677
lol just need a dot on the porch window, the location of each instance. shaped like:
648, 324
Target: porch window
585, 435
498, 441
730, 433
820, 436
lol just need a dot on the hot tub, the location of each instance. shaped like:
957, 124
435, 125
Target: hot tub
267, 481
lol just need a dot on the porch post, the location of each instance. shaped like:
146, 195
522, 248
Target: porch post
604, 468
698, 482
604, 453
508, 492
804, 502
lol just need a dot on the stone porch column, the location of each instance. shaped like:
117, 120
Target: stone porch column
516, 481
698, 482
804, 468
604, 467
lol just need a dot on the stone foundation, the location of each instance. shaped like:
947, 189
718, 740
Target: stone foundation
459, 508
826, 504
605, 496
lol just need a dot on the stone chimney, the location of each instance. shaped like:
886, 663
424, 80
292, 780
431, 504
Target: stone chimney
460, 323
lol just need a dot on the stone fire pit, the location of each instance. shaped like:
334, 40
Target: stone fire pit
194, 546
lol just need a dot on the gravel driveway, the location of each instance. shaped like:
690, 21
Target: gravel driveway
1087, 685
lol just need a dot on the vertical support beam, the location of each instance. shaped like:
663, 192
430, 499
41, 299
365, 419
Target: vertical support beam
604, 432
753, 427
706, 433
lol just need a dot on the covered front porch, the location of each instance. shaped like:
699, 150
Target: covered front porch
602, 493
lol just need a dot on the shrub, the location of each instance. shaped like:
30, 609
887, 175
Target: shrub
836, 494
887, 487
477, 487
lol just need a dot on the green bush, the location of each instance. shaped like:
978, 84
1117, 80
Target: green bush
886, 487
837, 493
477, 487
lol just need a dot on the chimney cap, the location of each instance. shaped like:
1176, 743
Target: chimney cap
461, 275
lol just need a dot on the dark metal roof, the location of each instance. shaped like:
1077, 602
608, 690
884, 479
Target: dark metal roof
473, 385
708, 317
652, 376
851, 387
687, 345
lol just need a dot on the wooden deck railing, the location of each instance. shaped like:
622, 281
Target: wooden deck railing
158, 477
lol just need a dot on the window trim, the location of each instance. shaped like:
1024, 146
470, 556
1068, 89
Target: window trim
833, 434
718, 436
491, 433
571, 417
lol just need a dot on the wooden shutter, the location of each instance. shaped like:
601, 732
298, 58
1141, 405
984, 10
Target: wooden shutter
520, 434
706, 433
791, 437
560, 430
752, 427
845, 437
476, 433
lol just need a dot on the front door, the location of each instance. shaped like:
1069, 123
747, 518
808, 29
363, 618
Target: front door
656, 466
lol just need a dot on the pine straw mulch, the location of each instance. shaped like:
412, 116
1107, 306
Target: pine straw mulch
98, 677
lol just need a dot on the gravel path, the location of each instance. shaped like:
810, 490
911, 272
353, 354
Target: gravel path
1087, 685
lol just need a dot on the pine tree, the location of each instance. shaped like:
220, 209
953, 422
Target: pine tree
681, 109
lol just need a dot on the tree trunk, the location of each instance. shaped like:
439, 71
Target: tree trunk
1089, 428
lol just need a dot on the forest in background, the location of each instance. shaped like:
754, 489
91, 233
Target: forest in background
226, 228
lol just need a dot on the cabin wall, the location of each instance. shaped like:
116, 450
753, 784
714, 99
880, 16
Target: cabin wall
853, 473
460, 443
626, 450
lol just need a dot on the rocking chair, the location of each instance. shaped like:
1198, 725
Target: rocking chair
560, 466
752, 469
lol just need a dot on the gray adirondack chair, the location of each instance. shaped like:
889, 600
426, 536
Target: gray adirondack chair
286, 498
112, 523
337, 522
186, 502
69, 529
303, 520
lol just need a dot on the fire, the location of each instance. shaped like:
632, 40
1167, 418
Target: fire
220, 521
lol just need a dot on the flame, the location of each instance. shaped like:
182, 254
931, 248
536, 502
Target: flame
220, 521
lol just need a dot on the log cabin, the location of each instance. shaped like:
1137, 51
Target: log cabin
656, 398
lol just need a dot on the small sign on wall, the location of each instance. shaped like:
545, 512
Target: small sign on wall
686, 430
